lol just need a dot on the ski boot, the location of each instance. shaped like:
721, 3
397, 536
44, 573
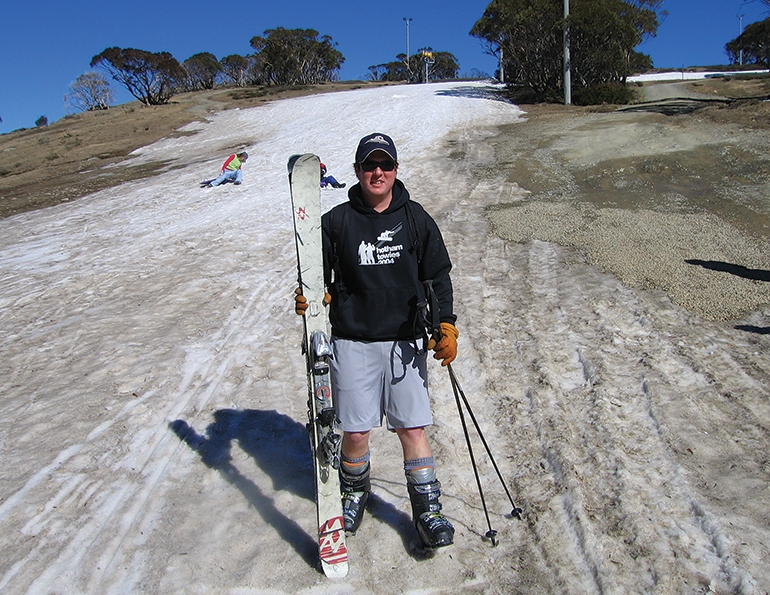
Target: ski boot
355, 492
434, 528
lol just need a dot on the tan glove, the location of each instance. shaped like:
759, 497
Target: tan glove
300, 301
446, 348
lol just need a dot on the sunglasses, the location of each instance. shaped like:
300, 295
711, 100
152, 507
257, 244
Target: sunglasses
383, 165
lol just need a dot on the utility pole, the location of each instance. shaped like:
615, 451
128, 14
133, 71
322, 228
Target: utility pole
740, 23
567, 68
502, 68
408, 67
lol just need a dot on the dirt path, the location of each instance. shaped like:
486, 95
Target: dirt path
683, 90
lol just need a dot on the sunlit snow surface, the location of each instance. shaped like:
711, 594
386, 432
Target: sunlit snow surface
153, 395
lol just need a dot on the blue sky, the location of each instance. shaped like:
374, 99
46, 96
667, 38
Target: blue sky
45, 46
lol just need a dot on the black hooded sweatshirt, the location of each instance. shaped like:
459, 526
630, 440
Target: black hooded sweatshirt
375, 263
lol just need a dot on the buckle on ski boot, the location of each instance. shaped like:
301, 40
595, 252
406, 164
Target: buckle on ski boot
432, 526
355, 492
353, 506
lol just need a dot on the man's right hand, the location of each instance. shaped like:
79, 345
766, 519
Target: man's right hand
300, 302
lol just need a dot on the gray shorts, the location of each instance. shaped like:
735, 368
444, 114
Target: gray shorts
372, 379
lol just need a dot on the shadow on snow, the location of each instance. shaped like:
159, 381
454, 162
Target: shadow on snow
474, 93
280, 447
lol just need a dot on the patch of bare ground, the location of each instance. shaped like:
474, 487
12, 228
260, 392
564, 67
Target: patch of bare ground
677, 202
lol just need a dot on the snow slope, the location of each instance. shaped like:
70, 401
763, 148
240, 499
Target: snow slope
153, 395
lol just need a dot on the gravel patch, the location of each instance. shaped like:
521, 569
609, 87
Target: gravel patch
678, 204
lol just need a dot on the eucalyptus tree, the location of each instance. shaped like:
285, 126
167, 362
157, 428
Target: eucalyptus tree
90, 92
527, 36
752, 46
294, 56
201, 71
152, 78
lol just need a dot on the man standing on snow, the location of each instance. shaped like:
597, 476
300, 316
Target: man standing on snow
231, 171
380, 360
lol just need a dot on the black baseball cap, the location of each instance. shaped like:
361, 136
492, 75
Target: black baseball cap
375, 142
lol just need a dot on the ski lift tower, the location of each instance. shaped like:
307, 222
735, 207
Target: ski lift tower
427, 58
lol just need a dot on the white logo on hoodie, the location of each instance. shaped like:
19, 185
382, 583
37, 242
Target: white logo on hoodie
379, 253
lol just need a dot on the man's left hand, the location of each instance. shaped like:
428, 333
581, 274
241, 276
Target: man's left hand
446, 348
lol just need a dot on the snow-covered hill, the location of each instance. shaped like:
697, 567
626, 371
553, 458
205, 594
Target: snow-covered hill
153, 395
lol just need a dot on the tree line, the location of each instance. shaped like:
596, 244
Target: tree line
526, 36
423, 66
282, 57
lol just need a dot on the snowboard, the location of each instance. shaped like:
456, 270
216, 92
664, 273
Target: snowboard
322, 415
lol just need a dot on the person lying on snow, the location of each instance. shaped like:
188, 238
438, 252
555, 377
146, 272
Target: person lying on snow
329, 180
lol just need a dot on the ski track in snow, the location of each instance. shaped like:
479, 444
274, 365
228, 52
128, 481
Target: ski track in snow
153, 392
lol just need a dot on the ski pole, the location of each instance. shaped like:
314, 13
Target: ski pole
491, 534
458, 391
428, 319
